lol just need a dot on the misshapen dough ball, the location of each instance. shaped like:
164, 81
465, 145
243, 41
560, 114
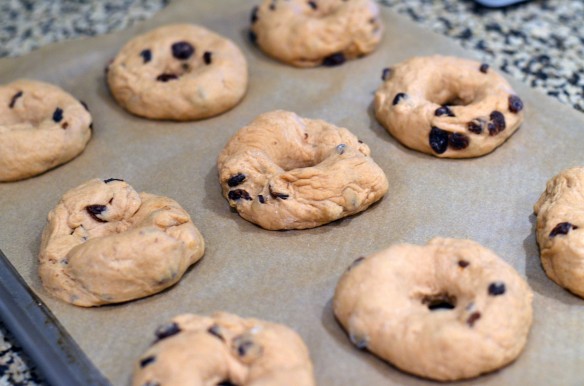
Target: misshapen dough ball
448, 310
310, 33
179, 72
224, 349
287, 172
559, 229
447, 106
41, 126
106, 243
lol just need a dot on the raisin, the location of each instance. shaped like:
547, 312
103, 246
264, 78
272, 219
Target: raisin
238, 194
236, 180
226, 383
278, 195
496, 288
473, 318
112, 179
386, 73
438, 140
476, 126
359, 141
254, 14
215, 330
146, 55
14, 98
334, 60
244, 347
146, 361
359, 342
182, 50
341, 148
58, 115
65, 125
166, 77
356, 262
562, 229
313, 5
497, 123
444, 110
273, 6
95, 210
252, 37
463, 263
166, 330
207, 57
515, 104
458, 141
484, 68
262, 199
398, 98
85, 106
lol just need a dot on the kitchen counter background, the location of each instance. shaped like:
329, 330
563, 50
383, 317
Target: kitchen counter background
539, 42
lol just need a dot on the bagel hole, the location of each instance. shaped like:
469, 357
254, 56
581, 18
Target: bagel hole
226, 382
441, 301
447, 97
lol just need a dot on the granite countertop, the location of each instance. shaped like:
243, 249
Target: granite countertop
540, 43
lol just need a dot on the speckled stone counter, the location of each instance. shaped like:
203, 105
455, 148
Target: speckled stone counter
540, 43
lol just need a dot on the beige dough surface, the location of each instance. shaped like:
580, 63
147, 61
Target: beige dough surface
283, 171
478, 116
224, 349
106, 243
308, 33
385, 303
152, 79
41, 126
560, 218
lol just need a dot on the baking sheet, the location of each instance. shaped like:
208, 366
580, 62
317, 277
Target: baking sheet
55, 354
289, 277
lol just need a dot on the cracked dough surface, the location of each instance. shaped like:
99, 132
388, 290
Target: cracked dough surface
41, 126
210, 77
283, 171
106, 243
410, 105
560, 218
304, 35
384, 303
224, 349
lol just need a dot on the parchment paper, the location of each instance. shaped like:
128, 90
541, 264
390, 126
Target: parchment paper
289, 277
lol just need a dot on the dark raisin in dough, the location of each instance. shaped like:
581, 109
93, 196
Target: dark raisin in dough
438, 139
182, 50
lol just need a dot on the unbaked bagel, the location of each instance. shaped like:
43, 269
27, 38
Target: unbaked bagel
41, 126
560, 222
310, 33
105, 243
178, 72
223, 350
448, 107
448, 310
287, 172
